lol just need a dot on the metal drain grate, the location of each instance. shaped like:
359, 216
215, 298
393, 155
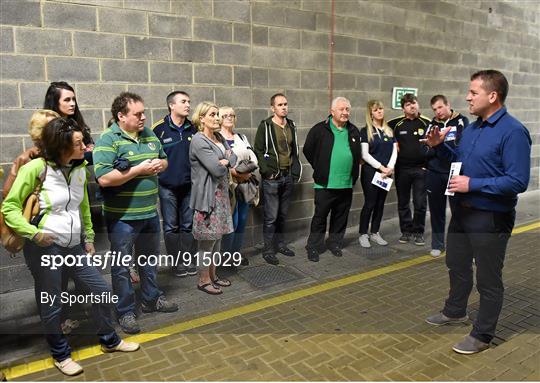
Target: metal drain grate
268, 275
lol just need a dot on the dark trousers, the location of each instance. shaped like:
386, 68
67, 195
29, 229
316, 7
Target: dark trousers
177, 220
414, 179
436, 186
374, 198
277, 194
337, 203
49, 281
482, 236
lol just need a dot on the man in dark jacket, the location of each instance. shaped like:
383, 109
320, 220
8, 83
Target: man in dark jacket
439, 168
276, 147
175, 132
411, 169
333, 150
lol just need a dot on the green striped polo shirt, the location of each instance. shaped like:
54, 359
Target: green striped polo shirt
137, 198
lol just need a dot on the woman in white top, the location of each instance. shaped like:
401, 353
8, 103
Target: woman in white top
240, 146
379, 151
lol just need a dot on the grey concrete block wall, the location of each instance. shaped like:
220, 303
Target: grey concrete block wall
240, 52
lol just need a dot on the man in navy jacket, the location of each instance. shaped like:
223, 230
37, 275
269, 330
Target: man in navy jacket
175, 132
439, 168
495, 152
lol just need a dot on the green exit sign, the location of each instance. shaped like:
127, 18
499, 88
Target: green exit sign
398, 92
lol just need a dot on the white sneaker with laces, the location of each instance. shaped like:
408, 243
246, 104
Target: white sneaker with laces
69, 367
378, 239
435, 253
364, 241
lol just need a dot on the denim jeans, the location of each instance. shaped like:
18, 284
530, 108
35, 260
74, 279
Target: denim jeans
233, 242
49, 281
277, 194
177, 219
144, 235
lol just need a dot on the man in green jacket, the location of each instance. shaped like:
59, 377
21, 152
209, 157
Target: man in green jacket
276, 147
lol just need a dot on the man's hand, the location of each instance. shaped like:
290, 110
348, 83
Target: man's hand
89, 248
145, 168
44, 239
459, 184
157, 165
224, 162
435, 136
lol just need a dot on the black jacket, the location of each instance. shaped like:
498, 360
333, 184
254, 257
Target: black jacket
267, 156
318, 150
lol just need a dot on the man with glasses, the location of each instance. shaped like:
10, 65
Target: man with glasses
276, 147
127, 159
174, 131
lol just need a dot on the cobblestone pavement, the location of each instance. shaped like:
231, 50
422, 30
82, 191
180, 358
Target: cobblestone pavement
368, 328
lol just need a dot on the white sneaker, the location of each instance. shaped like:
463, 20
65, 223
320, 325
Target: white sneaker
122, 347
378, 239
69, 367
435, 252
364, 241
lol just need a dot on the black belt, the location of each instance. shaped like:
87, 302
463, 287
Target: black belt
283, 172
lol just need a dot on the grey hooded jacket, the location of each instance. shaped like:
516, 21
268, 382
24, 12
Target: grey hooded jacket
206, 171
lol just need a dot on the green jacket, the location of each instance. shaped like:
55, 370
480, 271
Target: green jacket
267, 155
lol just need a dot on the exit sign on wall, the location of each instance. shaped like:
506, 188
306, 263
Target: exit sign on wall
397, 93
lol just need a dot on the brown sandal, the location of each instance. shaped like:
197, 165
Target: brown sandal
221, 282
208, 291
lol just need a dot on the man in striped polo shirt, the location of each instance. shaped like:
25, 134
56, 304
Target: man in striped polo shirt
127, 158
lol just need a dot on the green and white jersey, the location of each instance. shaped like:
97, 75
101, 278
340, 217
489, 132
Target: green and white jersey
137, 198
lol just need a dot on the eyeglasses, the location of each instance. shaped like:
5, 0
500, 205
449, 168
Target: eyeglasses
231, 116
66, 128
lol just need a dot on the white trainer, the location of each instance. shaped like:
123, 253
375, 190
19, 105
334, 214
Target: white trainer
364, 241
435, 253
69, 367
378, 239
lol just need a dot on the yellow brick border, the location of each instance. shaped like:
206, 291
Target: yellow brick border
89, 352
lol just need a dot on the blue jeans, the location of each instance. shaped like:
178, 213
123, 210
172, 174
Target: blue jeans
144, 235
233, 242
277, 194
177, 219
49, 281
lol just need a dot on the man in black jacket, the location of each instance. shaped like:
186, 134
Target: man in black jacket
333, 150
276, 147
411, 169
439, 168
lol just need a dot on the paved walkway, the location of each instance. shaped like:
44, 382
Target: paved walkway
356, 318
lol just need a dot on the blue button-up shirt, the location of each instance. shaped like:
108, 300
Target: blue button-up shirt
496, 156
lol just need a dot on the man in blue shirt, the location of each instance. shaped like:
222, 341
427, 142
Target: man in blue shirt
175, 132
495, 152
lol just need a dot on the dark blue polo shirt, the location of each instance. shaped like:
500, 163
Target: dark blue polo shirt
381, 147
175, 141
496, 155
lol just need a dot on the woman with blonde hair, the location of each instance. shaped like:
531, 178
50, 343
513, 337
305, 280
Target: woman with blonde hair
210, 157
379, 151
232, 243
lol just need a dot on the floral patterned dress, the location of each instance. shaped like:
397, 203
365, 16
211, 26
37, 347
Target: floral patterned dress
211, 227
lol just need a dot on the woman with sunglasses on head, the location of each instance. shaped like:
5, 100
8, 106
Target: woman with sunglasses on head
60, 97
232, 243
211, 158
59, 179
